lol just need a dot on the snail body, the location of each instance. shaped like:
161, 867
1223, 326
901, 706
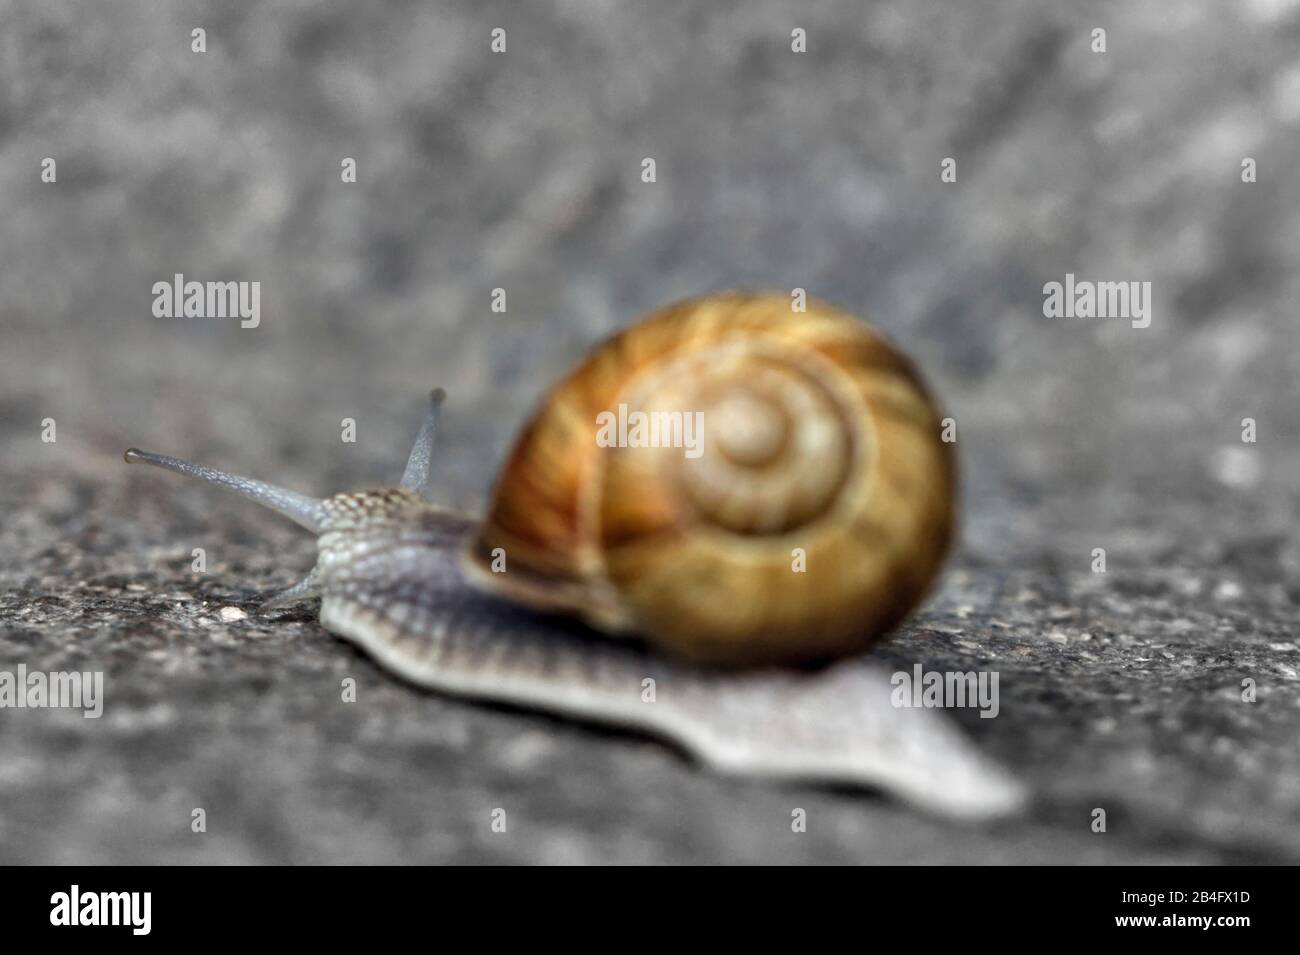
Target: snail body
674, 594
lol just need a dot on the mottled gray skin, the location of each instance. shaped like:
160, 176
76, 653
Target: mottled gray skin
401, 593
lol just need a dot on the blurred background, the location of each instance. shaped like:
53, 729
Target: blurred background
522, 171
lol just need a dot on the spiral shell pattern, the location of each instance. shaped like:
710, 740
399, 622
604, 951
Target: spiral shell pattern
810, 515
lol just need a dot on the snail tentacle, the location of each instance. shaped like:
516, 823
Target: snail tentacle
305, 511
305, 589
419, 464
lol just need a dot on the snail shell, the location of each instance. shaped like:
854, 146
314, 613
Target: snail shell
817, 437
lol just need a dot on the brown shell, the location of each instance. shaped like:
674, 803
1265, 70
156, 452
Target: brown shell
816, 435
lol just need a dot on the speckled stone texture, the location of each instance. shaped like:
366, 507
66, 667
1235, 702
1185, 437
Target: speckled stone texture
522, 171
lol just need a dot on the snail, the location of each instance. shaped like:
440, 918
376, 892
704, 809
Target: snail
702, 597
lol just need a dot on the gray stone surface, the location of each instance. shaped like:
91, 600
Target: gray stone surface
521, 171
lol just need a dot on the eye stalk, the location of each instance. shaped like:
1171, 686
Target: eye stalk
420, 463
309, 512
299, 508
